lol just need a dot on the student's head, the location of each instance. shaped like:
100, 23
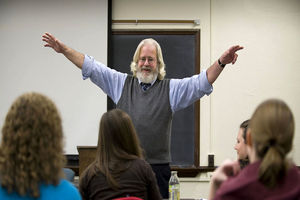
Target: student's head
148, 63
31, 148
240, 146
117, 143
117, 135
271, 135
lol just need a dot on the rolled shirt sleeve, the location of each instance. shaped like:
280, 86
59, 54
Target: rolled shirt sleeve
109, 80
184, 92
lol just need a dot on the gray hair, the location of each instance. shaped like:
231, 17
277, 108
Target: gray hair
160, 63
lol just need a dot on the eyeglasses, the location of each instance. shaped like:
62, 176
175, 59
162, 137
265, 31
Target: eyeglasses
150, 60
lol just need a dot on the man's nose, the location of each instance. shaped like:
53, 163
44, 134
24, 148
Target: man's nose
146, 62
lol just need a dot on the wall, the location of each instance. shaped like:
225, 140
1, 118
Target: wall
266, 68
27, 66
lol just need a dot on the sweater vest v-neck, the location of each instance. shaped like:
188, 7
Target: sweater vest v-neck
151, 115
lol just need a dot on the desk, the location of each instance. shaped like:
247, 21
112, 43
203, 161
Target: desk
87, 155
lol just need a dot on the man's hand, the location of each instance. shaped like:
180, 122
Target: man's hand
230, 55
54, 43
74, 56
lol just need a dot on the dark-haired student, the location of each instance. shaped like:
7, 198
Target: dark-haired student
240, 146
119, 169
270, 174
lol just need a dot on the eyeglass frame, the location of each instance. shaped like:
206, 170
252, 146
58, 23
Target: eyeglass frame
149, 59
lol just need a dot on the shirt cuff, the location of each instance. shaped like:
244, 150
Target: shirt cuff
207, 88
87, 67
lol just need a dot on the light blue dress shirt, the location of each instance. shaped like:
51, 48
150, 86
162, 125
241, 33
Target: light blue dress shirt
183, 92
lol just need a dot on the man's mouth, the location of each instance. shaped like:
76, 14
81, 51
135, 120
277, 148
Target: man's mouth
146, 69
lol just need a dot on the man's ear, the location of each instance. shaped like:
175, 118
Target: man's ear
249, 139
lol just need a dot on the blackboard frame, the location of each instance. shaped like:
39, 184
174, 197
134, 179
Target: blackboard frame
185, 170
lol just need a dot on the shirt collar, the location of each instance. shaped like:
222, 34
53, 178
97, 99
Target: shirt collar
151, 82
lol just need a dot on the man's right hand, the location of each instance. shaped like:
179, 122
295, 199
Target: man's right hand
54, 43
74, 56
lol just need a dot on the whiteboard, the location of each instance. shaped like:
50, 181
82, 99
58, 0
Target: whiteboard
26, 65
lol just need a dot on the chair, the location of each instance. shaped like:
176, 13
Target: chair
69, 173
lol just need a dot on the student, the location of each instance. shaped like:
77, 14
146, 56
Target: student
31, 152
119, 169
270, 175
148, 98
240, 146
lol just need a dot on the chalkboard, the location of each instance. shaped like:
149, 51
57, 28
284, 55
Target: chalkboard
181, 55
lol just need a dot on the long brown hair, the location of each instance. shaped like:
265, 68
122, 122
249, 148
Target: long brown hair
272, 132
118, 145
31, 150
244, 126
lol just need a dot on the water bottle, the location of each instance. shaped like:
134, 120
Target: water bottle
174, 187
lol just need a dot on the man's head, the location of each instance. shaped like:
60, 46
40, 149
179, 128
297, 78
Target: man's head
148, 63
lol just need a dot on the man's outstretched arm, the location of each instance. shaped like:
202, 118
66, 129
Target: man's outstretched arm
74, 56
229, 56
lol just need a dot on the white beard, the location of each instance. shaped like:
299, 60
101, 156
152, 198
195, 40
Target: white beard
145, 77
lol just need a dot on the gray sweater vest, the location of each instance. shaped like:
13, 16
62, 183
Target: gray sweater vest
151, 115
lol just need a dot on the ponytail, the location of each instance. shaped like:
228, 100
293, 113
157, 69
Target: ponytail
273, 165
272, 130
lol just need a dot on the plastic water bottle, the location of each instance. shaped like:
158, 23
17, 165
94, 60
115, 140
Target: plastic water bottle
174, 187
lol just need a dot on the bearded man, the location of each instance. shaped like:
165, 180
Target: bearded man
146, 96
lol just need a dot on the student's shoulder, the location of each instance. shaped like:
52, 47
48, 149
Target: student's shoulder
140, 161
66, 184
142, 166
64, 189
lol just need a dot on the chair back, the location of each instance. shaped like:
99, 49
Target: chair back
69, 174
